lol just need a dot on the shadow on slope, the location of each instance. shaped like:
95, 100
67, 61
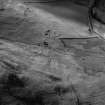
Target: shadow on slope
65, 10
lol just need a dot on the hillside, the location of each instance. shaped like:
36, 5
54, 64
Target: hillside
47, 57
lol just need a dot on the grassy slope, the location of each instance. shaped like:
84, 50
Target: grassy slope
84, 66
